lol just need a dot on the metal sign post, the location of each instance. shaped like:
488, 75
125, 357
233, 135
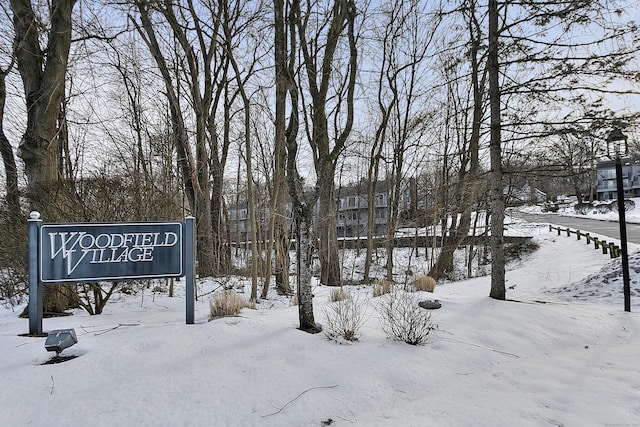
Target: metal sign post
35, 295
190, 268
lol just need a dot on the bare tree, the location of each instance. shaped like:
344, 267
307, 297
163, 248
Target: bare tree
465, 187
204, 167
229, 17
319, 42
302, 211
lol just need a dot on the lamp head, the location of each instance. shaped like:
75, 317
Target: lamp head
617, 144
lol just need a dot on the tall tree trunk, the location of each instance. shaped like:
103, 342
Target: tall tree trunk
10, 168
301, 212
279, 200
326, 226
498, 290
43, 78
253, 224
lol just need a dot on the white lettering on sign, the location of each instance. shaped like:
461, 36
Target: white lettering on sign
76, 246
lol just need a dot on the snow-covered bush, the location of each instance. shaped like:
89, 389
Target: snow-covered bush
583, 208
403, 319
604, 208
226, 303
629, 205
344, 318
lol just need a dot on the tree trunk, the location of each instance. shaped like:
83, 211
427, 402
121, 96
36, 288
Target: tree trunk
498, 290
328, 239
43, 78
279, 199
10, 167
304, 237
301, 212
253, 224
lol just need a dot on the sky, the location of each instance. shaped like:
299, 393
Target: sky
560, 352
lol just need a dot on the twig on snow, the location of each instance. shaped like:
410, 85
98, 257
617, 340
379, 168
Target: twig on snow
296, 398
104, 331
478, 345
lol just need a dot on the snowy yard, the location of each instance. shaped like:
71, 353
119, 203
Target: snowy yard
564, 353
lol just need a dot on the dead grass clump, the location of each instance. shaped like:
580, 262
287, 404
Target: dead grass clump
226, 303
423, 283
381, 287
339, 294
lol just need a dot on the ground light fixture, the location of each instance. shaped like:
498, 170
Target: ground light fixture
616, 149
60, 339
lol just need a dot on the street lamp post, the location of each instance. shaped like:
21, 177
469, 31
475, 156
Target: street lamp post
616, 143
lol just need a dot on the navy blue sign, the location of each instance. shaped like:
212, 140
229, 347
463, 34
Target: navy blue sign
94, 252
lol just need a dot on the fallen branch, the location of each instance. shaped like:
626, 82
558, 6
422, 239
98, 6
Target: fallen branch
104, 331
480, 346
296, 398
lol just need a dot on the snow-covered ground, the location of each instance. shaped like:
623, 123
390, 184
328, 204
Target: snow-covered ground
563, 353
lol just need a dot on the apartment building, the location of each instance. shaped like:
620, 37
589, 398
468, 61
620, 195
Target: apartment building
352, 211
606, 179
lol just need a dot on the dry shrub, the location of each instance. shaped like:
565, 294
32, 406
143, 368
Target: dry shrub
423, 283
344, 319
403, 319
226, 303
339, 295
381, 287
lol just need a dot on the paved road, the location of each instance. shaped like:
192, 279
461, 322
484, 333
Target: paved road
605, 228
